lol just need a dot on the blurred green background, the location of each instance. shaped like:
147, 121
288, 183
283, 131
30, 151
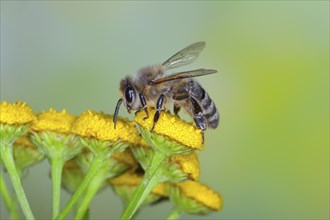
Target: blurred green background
270, 156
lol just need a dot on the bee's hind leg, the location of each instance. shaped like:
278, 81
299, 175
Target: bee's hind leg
200, 123
198, 114
144, 105
159, 106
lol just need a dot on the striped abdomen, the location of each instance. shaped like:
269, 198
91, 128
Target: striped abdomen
209, 112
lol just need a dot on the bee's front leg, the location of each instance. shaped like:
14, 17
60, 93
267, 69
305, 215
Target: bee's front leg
115, 116
144, 105
159, 106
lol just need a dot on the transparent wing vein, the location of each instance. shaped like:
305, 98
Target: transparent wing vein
185, 56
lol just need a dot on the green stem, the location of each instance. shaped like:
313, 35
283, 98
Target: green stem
97, 163
7, 158
56, 172
93, 187
149, 181
11, 205
174, 214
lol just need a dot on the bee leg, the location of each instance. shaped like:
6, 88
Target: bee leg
159, 106
176, 109
198, 114
200, 123
144, 105
116, 113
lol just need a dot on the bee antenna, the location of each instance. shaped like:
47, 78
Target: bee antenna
116, 112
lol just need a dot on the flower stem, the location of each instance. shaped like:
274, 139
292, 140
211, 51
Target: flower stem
7, 158
11, 205
174, 214
93, 187
97, 163
149, 181
56, 172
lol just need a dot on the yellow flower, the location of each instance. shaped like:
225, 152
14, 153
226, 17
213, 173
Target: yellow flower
161, 190
113, 164
52, 134
100, 126
128, 179
201, 193
134, 179
172, 127
126, 184
14, 119
60, 122
170, 137
25, 154
23, 142
15, 113
125, 157
188, 163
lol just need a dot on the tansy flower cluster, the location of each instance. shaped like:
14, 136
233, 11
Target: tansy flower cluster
86, 154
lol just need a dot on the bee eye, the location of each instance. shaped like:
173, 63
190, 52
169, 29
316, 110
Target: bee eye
129, 94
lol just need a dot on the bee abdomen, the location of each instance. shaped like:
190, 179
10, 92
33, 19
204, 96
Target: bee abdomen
209, 110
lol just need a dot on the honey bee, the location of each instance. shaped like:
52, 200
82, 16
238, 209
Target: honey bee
151, 86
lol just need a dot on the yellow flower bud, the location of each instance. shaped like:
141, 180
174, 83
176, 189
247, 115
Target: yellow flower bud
125, 185
52, 120
134, 179
196, 192
101, 127
15, 113
25, 154
188, 163
173, 127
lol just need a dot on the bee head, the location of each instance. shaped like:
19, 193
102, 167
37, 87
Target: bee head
129, 97
129, 94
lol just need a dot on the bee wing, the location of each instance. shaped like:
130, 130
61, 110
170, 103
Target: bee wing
182, 75
185, 56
